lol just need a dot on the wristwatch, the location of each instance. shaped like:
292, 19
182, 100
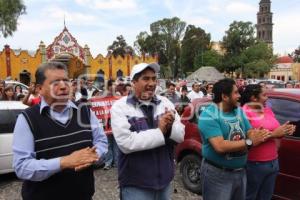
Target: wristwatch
249, 143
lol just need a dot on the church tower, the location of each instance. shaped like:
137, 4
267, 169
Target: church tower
264, 26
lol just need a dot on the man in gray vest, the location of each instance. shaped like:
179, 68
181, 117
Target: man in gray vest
56, 142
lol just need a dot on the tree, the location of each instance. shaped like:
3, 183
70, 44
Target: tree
164, 40
195, 42
258, 60
171, 32
238, 37
208, 58
120, 47
141, 45
10, 11
296, 55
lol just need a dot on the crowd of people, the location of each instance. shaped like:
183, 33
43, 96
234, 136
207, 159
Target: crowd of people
54, 152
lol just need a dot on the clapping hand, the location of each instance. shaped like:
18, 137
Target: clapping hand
166, 120
258, 136
285, 129
80, 159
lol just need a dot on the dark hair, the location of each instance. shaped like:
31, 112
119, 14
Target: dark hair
20, 96
110, 83
249, 91
195, 83
207, 86
125, 86
170, 83
184, 88
40, 72
95, 92
224, 86
19, 86
7, 88
138, 75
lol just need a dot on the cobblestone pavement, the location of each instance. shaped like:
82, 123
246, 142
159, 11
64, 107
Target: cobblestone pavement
106, 187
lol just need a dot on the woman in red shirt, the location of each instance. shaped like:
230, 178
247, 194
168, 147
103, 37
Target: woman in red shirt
262, 165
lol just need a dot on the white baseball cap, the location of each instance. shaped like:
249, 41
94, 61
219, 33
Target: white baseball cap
141, 67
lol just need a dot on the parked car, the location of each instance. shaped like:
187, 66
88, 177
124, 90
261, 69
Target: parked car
188, 153
9, 111
15, 83
285, 103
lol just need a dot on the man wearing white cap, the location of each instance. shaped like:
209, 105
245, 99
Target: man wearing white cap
146, 127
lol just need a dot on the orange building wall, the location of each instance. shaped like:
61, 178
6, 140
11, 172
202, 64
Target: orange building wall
24, 61
3, 71
76, 68
118, 62
98, 63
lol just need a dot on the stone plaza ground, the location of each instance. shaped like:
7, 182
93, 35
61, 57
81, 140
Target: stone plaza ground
106, 187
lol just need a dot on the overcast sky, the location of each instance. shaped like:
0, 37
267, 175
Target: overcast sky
98, 22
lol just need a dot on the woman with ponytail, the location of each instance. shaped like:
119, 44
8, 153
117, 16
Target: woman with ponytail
262, 165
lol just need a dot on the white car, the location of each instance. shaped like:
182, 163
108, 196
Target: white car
9, 111
15, 83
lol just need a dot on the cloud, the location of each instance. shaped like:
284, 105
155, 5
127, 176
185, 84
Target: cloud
198, 21
214, 8
285, 32
58, 13
109, 5
240, 8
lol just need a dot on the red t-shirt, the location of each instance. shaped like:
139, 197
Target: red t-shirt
35, 101
266, 151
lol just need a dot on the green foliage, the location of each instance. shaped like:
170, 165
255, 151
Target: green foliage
258, 60
238, 38
208, 58
195, 42
296, 55
182, 51
120, 47
164, 40
10, 11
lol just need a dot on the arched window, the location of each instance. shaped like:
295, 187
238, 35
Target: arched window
100, 76
119, 73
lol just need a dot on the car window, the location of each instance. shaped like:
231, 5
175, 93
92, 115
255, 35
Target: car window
286, 110
8, 120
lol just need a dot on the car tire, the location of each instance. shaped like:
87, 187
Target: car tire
190, 172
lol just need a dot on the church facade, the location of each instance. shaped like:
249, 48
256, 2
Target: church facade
65, 48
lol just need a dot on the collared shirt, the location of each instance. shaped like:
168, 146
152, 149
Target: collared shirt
25, 163
195, 95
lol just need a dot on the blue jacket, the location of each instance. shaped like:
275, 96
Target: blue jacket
146, 159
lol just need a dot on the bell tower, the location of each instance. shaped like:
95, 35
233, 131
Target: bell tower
264, 26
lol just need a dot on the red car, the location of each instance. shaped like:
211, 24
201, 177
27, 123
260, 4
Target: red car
285, 103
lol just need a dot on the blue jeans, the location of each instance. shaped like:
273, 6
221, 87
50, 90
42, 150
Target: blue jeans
219, 184
111, 157
261, 178
135, 193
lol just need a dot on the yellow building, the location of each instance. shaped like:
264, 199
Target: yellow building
65, 48
283, 69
